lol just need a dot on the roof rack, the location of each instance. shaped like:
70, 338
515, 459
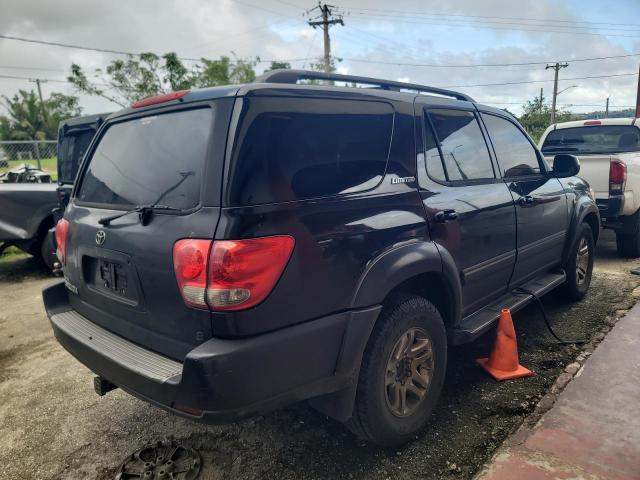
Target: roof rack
293, 76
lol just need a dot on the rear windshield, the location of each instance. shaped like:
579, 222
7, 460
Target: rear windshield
150, 160
292, 149
70, 153
593, 139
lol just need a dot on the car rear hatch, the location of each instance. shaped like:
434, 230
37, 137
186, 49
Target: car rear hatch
120, 270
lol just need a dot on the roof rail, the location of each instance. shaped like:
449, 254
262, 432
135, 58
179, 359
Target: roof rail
293, 76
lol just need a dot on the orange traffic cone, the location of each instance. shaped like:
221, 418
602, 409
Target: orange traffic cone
502, 363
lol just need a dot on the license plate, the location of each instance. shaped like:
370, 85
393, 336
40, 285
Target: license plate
113, 276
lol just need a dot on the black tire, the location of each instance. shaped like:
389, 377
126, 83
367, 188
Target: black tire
47, 255
373, 418
579, 276
628, 244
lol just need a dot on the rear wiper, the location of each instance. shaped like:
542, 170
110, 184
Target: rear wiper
144, 212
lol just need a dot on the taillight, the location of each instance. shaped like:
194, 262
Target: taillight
62, 231
230, 274
190, 265
617, 177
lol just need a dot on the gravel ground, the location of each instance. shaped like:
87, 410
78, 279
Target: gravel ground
53, 426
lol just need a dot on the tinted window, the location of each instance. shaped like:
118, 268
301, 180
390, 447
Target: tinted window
593, 139
289, 149
71, 151
156, 159
463, 147
515, 153
432, 155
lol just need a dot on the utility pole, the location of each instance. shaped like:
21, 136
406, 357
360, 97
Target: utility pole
325, 20
43, 111
556, 67
541, 97
606, 110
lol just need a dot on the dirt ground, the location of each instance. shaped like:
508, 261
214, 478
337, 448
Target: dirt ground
53, 426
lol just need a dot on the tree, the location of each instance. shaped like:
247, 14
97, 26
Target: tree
27, 119
147, 74
537, 116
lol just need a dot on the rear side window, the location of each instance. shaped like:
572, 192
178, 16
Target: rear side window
516, 155
74, 145
292, 149
593, 139
150, 160
464, 150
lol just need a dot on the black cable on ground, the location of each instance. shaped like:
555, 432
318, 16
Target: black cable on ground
524, 291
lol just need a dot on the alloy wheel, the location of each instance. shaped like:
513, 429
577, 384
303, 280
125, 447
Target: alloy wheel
409, 372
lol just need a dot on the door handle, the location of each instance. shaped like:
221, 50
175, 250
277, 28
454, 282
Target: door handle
526, 200
446, 216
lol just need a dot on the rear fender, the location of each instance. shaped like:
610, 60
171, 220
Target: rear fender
383, 275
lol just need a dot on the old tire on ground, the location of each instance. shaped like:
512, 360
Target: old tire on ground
579, 265
628, 244
402, 373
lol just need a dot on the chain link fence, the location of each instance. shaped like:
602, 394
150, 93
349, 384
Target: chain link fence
42, 154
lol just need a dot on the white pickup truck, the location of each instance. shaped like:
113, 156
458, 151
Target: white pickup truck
609, 154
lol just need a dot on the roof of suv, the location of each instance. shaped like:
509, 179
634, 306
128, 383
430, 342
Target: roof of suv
289, 79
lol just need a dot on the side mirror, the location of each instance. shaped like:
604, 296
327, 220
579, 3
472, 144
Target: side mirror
565, 165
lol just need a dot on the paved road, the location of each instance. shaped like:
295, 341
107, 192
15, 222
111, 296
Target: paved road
52, 425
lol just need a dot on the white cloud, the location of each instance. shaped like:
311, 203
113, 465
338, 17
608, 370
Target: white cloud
195, 28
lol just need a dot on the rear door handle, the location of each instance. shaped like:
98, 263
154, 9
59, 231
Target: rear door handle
446, 216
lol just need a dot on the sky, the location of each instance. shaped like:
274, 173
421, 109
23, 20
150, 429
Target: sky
421, 41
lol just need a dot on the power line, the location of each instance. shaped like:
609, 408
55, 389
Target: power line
478, 21
80, 47
493, 27
546, 20
540, 81
438, 65
20, 67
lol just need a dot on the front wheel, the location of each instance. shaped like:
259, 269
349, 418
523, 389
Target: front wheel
402, 372
579, 265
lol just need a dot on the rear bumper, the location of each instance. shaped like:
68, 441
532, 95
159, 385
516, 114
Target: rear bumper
222, 380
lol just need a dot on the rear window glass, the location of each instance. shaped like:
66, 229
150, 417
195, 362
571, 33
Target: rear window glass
150, 160
72, 149
291, 149
593, 139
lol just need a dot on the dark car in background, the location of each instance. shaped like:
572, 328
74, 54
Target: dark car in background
30, 205
231, 250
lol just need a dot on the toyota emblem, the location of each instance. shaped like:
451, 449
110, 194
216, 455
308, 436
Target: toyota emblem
100, 237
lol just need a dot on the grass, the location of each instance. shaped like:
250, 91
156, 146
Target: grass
49, 165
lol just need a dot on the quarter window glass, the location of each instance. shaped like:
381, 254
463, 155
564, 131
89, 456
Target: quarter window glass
465, 152
291, 149
432, 155
516, 155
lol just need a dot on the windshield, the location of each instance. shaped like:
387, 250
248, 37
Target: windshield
150, 160
593, 139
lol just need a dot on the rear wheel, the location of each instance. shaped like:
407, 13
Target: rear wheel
579, 265
402, 372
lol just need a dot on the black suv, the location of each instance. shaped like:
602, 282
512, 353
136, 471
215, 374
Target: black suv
231, 250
